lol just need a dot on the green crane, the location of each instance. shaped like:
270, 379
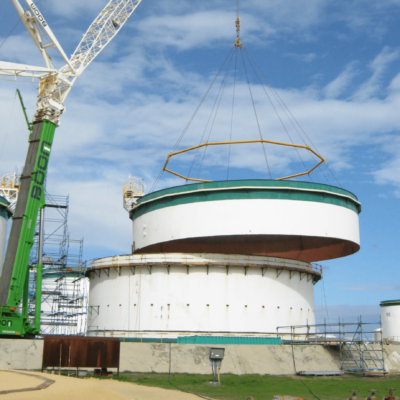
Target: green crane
54, 86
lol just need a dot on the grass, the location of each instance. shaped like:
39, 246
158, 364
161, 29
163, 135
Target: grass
264, 387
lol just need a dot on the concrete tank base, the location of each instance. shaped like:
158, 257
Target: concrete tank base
176, 294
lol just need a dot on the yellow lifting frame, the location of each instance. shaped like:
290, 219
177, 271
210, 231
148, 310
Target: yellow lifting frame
243, 142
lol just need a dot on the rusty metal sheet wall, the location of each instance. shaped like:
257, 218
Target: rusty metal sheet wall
80, 352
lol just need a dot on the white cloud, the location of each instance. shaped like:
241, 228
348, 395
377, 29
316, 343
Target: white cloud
349, 313
370, 287
198, 29
378, 66
73, 9
310, 57
290, 14
335, 88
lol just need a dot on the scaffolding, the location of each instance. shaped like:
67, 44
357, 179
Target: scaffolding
64, 286
9, 187
360, 348
132, 191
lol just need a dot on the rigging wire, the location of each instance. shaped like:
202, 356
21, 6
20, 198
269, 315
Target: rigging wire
216, 111
285, 110
12, 29
156, 181
233, 103
201, 102
255, 111
210, 116
277, 114
294, 119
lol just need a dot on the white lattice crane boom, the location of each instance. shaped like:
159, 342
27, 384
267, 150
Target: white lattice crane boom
101, 31
54, 85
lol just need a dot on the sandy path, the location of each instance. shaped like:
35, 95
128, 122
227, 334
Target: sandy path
66, 388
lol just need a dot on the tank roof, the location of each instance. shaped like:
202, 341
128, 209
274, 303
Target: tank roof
251, 188
250, 182
5, 212
389, 303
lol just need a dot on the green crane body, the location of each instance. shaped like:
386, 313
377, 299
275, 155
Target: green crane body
54, 86
15, 278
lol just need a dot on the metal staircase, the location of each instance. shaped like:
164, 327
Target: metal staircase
360, 354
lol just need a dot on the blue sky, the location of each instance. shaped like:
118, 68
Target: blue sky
335, 64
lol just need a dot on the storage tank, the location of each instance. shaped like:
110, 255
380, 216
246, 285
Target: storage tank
229, 257
5, 214
390, 317
172, 294
296, 220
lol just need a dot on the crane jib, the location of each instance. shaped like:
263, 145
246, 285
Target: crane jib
38, 15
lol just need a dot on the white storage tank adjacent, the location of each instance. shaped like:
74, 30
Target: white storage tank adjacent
5, 215
390, 317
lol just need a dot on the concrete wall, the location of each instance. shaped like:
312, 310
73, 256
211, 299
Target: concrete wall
238, 360
185, 358
392, 357
21, 354
193, 359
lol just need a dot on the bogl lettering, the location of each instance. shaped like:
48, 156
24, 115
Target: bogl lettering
40, 174
38, 15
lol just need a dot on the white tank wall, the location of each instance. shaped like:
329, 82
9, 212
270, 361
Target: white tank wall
256, 217
3, 236
390, 317
199, 302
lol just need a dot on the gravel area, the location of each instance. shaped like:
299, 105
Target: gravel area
70, 388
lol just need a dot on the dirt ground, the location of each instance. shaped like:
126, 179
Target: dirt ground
87, 389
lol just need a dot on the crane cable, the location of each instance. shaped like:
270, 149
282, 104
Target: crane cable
277, 114
233, 103
211, 113
292, 118
220, 94
156, 181
12, 29
198, 107
255, 112
293, 121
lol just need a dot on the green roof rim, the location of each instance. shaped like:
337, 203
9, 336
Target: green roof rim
4, 203
388, 303
339, 197
294, 184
